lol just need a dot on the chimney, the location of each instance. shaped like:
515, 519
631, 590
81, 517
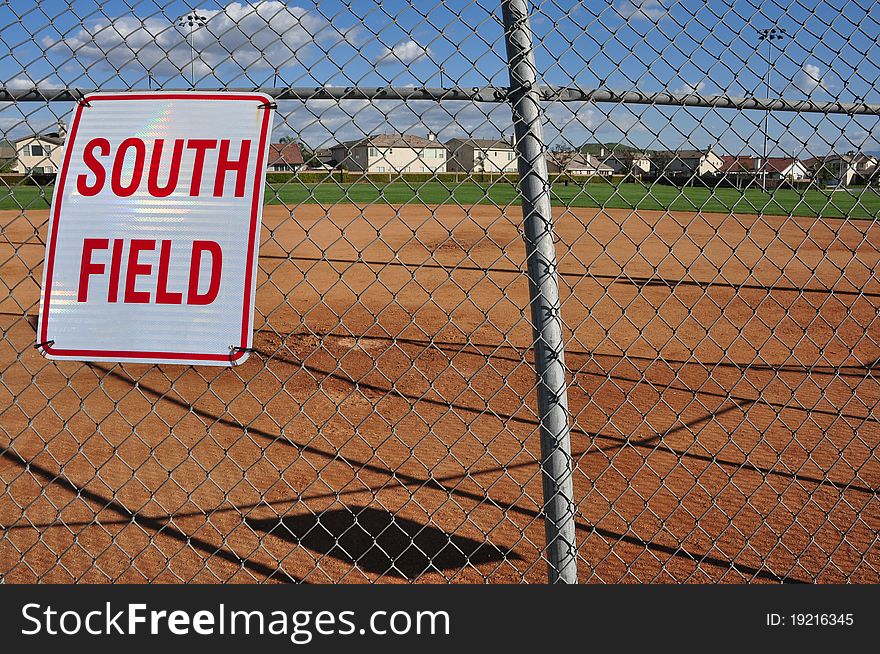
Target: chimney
62, 129
602, 152
432, 136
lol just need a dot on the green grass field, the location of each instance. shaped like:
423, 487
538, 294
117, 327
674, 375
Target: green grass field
853, 203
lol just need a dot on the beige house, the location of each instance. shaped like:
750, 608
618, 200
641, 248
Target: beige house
480, 156
576, 163
843, 167
686, 162
391, 153
39, 154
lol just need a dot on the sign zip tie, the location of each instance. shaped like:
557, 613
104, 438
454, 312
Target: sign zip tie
269, 105
81, 100
44, 344
233, 349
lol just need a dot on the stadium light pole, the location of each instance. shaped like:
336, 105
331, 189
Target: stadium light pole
769, 34
192, 20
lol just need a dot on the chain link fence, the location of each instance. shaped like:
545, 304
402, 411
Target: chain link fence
589, 288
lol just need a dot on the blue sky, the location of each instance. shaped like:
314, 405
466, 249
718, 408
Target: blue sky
831, 52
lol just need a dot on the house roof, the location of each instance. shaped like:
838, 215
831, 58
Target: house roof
393, 141
576, 161
682, 154
498, 144
749, 164
53, 138
854, 158
780, 164
285, 153
731, 164
623, 158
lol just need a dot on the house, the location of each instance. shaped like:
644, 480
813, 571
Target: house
480, 156
577, 164
743, 169
391, 153
284, 157
689, 163
38, 153
786, 168
635, 164
843, 168
321, 159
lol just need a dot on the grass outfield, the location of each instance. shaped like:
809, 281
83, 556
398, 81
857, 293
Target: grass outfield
853, 203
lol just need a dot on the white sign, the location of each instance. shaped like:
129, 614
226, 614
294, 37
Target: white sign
154, 229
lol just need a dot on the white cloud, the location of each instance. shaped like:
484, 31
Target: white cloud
809, 79
689, 89
652, 10
406, 52
261, 34
24, 82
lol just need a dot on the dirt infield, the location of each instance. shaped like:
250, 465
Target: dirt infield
723, 382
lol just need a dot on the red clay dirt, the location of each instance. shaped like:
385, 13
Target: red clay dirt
725, 409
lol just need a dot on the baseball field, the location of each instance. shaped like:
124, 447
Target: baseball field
852, 202
724, 387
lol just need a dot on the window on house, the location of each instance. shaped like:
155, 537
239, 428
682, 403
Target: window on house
510, 156
37, 151
374, 152
380, 169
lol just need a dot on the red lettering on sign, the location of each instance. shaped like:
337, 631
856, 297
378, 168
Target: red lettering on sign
137, 171
239, 166
173, 172
138, 149
87, 268
136, 269
92, 163
162, 294
201, 146
216, 253
115, 264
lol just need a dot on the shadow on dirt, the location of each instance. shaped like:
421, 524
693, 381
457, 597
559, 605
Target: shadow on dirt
379, 542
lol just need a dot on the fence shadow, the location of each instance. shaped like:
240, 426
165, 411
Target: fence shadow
379, 542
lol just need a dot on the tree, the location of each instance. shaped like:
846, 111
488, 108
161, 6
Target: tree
308, 154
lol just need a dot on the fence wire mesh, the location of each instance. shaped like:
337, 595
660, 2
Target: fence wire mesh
713, 176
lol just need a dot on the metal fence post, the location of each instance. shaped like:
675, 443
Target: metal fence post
559, 507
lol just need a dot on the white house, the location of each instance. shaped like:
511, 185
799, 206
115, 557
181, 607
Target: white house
38, 153
786, 168
743, 169
576, 163
686, 162
631, 163
480, 156
391, 153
